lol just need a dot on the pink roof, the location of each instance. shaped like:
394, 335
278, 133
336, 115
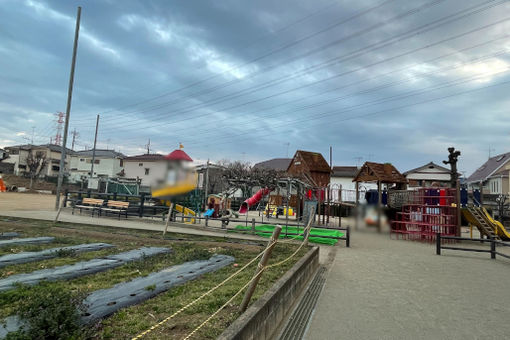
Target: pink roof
178, 155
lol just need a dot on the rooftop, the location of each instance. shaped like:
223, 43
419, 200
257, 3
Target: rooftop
278, 164
153, 157
101, 153
488, 168
344, 171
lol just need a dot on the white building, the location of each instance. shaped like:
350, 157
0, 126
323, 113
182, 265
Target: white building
18, 156
107, 164
426, 175
149, 169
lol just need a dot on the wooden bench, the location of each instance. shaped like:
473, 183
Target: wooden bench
117, 207
92, 204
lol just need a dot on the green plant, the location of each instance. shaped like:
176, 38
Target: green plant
49, 312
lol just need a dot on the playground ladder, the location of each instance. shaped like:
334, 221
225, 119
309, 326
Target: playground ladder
484, 226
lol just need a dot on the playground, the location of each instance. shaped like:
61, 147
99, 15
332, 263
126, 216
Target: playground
111, 258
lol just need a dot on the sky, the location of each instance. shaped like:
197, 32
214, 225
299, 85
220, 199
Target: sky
381, 80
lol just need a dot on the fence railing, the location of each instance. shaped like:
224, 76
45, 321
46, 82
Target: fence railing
492, 250
141, 207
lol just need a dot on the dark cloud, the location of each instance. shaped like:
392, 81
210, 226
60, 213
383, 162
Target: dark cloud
241, 79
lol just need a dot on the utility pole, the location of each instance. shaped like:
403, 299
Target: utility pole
33, 133
74, 134
206, 186
68, 110
94, 149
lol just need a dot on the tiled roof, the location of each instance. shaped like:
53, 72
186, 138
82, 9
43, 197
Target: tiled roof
279, 164
52, 147
386, 173
101, 153
489, 168
154, 157
344, 171
439, 167
314, 161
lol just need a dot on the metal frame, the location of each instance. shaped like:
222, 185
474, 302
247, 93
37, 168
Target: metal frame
493, 243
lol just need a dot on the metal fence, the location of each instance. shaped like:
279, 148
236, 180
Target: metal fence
492, 250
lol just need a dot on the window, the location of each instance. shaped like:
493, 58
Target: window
55, 168
500, 158
147, 170
121, 162
82, 159
140, 164
22, 166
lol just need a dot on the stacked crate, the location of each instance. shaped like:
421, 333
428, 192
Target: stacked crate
427, 212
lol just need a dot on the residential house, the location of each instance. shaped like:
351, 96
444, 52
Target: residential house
342, 176
310, 167
277, 164
428, 174
213, 175
107, 164
149, 169
18, 156
5, 168
492, 176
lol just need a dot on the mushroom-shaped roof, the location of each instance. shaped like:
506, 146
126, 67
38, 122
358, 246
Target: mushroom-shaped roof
178, 155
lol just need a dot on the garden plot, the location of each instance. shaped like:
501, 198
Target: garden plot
162, 283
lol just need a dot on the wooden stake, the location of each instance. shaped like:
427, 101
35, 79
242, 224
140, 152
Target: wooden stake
170, 208
258, 272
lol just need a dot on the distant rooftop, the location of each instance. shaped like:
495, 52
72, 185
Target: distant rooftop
488, 168
278, 164
153, 157
101, 153
345, 171
52, 147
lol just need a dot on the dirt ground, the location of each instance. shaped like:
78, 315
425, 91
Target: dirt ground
12, 201
393, 289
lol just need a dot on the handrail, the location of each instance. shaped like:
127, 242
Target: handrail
493, 242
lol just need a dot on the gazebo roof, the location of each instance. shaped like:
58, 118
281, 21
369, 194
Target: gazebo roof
385, 173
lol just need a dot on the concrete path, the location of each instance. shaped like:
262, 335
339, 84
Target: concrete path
131, 223
393, 289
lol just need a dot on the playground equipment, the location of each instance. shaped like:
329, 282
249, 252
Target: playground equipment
2, 185
485, 224
186, 212
253, 200
275, 210
427, 212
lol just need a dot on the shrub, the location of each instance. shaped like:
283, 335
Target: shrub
49, 312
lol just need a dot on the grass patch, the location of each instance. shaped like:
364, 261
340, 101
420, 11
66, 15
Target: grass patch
130, 321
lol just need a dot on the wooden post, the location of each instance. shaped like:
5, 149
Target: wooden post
379, 206
253, 225
170, 208
59, 210
258, 272
438, 243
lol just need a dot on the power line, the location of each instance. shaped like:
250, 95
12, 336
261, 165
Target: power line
336, 24
335, 76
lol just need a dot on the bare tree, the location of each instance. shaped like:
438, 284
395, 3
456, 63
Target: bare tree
35, 164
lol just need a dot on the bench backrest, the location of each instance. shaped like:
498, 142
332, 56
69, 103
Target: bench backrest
117, 204
92, 201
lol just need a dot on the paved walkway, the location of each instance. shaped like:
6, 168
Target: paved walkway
394, 289
131, 223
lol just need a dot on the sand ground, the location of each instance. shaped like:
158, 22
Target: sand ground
393, 289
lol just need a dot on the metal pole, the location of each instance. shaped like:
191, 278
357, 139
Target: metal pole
262, 264
68, 111
94, 149
288, 205
206, 181
438, 243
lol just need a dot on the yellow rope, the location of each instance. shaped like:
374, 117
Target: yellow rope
262, 269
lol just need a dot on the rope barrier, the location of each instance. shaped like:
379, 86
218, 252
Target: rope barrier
159, 324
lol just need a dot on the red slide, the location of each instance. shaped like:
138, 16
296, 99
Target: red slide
253, 200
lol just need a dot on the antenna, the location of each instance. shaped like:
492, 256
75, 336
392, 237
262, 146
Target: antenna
358, 160
287, 152
148, 146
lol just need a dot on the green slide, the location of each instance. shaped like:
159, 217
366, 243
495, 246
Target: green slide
316, 234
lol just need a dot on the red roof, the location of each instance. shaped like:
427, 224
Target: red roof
178, 155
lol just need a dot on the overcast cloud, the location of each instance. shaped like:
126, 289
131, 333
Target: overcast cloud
390, 81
